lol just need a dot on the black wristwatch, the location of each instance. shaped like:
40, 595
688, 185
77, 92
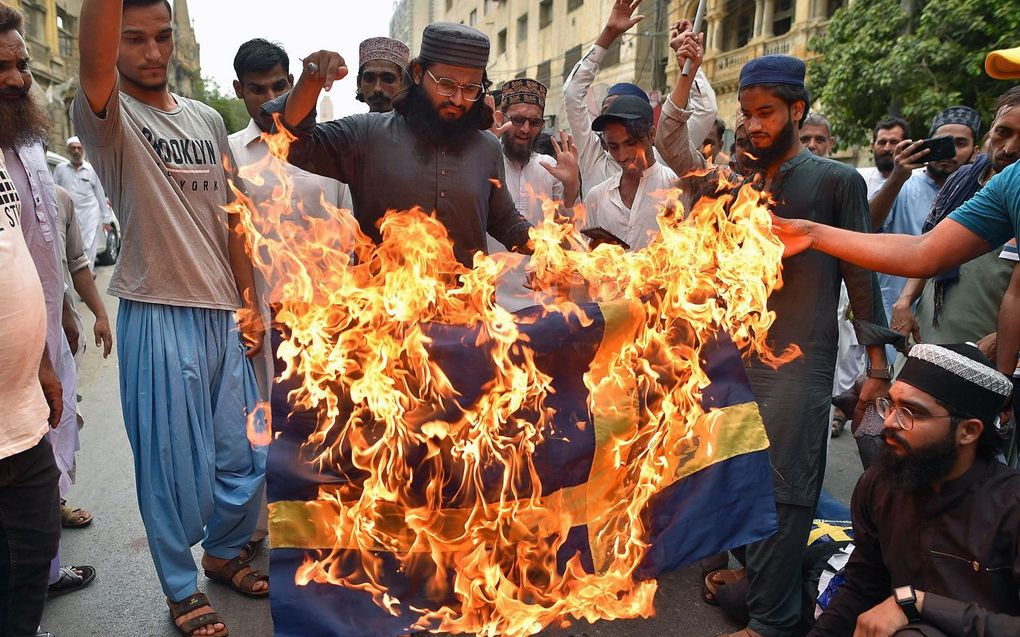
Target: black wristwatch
907, 599
883, 373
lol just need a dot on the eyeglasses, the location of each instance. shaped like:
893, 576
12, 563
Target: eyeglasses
904, 417
520, 120
447, 87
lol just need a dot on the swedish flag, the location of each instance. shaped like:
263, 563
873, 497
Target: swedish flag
720, 495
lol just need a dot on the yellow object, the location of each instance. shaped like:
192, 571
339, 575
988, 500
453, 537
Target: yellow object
1004, 64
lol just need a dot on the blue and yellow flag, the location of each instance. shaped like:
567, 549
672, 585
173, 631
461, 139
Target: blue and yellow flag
720, 496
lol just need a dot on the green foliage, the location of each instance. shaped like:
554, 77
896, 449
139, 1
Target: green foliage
877, 61
235, 115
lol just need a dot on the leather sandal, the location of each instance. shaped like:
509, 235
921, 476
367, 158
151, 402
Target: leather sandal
190, 604
240, 577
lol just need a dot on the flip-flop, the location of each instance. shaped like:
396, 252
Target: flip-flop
71, 581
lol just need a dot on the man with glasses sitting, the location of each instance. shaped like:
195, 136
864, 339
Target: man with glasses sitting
432, 151
937, 518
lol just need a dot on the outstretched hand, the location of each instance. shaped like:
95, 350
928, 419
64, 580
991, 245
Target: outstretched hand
565, 170
322, 68
794, 233
621, 16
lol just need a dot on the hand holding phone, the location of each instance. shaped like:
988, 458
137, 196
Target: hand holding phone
939, 148
600, 235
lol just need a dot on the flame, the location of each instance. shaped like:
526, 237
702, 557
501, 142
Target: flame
353, 316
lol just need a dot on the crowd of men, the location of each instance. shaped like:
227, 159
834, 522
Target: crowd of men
936, 515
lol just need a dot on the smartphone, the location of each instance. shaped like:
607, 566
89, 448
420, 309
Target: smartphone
941, 148
601, 235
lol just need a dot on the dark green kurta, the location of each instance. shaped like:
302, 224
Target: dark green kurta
795, 398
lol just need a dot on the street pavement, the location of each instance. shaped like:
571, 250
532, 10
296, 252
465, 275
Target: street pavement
126, 599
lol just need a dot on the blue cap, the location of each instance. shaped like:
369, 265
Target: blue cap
626, 88
773, 69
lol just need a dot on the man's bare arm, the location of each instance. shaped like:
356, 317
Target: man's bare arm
319, 71
1008, 334
101, 20
947, 245
85, 286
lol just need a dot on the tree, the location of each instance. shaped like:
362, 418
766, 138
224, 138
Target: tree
911, 59
235, 115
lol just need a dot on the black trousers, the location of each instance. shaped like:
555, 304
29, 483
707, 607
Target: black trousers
29, 536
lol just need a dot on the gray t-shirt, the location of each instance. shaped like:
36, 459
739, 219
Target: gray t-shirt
164, 172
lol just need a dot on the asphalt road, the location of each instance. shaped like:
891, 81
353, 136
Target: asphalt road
126, 598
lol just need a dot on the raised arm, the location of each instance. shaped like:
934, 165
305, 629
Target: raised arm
672, 136
318, 72
101, 20
907, 158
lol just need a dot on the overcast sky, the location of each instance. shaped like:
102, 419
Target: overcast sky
301, 26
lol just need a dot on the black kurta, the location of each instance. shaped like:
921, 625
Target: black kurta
960, 546
795, 398
389, 167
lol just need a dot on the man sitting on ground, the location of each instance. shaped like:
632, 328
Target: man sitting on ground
937, 519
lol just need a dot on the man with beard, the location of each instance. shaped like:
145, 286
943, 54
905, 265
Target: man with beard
937, 519
186, 384
794, 399
530, 177
433, 151
903, 203
961, 304
80, 181
30, 389
884, 139
381, 66
22, 132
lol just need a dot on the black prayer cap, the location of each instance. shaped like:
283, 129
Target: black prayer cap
959, 376
963, 115
624, 108
455, 44
773, 69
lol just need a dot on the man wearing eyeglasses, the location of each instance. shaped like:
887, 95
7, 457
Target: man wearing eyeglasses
432, 151
937, 519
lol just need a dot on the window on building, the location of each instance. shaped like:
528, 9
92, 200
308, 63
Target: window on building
449, 4
833, 6
523, 74
570, 58
522, 28
473, 18
65, 33
486, 6
573, 4
35, 20
738, 24
545, 13
612, 55
544, 72
783, 17
501, 42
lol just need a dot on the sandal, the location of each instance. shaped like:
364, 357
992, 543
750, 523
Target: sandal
251, 550
721, 577
72, 578
73, 518
240, 577
838, 425
190, 604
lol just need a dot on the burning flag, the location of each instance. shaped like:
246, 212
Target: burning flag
441, 464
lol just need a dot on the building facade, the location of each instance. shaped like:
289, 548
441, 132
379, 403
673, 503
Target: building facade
185, 73
543, 39
51, 32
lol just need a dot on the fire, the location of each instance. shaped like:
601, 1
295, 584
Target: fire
354, 319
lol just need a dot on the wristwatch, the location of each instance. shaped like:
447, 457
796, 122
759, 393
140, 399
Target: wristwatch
884, 373
907, 599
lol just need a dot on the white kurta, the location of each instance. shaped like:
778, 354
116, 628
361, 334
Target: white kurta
639, 223
89, 198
